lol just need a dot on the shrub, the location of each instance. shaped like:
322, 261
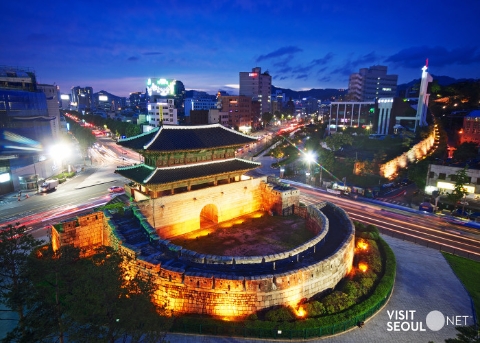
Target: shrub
314, 309
282, 314
336, 302
352, 289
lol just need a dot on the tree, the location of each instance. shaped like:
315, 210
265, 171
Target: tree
467, 334
53, 274
326, 158
92, 299
107, 303
417, 172
266, 118
466, 151
459, 190
15, 283
336, 141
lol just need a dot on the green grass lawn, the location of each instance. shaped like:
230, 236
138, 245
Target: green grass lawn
468, 272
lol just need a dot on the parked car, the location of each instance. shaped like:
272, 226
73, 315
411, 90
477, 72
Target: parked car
116, 189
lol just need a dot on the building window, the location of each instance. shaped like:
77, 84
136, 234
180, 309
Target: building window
453, 177
442, 176
431, 175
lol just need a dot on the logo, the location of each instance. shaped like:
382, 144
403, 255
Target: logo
406, 320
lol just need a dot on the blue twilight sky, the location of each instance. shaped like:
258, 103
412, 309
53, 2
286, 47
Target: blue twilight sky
117, 45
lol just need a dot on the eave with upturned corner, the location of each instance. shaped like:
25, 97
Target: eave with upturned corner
157, 182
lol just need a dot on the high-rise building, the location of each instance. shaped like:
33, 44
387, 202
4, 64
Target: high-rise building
108, 102
162, 112
81, 98
257, 86
27, 128
53, 109
371, 83
162, 89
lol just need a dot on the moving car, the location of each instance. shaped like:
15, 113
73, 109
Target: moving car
116, 189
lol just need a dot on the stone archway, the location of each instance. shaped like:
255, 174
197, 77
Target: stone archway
208, 216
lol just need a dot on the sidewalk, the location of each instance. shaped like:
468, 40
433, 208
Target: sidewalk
13, 197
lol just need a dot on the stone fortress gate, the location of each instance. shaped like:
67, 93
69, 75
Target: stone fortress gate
191, 178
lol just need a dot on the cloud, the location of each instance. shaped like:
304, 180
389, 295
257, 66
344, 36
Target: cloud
286, 50
133, 58
152, 53
439, 56
364, 60
325, 79
283, 78
283, 63
302, 76
284, 70
351, 64
324, 60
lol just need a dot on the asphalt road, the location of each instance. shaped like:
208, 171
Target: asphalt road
426, 229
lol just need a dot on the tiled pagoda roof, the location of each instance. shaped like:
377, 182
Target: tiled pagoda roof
144, 174
184, 138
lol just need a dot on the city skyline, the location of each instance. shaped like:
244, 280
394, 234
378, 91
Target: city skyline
117, 46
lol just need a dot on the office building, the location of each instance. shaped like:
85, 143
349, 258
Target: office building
371, 83
81, 99
239, 109
196, 104
53, 109
162, 112
160, 89
257, 86
105, 101
471, 128
28, 126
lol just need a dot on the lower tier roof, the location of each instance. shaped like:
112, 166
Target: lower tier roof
144, 174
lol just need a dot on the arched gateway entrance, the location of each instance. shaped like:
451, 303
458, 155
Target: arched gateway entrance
208, 216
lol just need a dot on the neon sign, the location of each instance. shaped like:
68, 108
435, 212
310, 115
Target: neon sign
253, 74
162, 87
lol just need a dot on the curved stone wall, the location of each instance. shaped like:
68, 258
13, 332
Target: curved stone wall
236, 286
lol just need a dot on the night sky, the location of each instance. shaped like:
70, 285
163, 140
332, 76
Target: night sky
117, 45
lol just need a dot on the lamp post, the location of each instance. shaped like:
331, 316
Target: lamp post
309, 158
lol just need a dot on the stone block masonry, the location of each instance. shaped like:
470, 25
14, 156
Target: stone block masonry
225, 286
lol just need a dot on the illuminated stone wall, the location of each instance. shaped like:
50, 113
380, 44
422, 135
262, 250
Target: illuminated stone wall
214, 291
178, 214
417, 152
227, 295
86, 232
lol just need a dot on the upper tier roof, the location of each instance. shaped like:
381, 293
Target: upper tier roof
181, 138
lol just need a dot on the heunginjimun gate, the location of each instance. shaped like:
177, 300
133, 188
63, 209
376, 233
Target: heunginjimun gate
191, 176
183, 158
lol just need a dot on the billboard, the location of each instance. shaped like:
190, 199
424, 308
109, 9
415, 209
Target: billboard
162, 87
102, 98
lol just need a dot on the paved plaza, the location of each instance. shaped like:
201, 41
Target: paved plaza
424, 283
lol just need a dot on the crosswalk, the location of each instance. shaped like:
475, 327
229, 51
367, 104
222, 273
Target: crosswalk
393, 201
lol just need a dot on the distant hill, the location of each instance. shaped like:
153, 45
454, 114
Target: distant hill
441, 80
321, 94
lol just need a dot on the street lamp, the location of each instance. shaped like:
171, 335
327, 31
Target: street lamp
309, 158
